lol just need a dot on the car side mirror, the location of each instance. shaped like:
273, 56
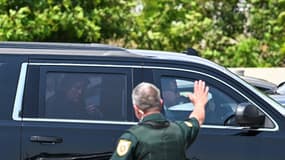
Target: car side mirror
248, 115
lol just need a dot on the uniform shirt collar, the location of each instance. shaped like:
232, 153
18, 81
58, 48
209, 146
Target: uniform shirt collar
154, 117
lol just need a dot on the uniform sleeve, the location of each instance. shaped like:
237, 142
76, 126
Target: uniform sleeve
190, 129
125, 147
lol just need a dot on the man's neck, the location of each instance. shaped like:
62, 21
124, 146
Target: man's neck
151, 112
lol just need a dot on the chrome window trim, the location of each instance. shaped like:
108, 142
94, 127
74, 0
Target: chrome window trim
237, 128
22, 77
78, 121
20, 93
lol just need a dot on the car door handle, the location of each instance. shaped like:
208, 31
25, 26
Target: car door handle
46, 139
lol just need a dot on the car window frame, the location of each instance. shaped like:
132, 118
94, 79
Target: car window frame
214, 90
17, 110
87, 70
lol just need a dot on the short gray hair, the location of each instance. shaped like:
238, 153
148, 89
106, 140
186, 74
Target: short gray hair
146, 95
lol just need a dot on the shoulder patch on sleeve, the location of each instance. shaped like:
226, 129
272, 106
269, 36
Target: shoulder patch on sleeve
123, 147
189, 124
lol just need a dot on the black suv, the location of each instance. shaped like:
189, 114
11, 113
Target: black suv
73, 101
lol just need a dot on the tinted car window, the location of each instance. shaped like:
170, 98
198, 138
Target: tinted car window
178, 106
76, 95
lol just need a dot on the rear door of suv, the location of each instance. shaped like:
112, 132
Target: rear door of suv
74, 110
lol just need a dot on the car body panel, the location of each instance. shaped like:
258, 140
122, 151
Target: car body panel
10, 135
33, 135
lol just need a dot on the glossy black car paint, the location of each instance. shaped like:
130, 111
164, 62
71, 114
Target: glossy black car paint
25, 138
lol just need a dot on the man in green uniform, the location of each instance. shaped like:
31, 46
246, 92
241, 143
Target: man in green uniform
155, 138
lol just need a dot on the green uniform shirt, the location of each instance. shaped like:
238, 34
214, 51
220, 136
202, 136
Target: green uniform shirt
157, 139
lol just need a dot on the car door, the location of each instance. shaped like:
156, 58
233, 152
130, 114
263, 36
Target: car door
10, 130
74, 110
219, 137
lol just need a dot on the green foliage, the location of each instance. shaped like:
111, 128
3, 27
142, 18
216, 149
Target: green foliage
169, 25
231, 33
62, 20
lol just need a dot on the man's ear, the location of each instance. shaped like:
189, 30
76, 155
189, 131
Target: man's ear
137, 109
161, 102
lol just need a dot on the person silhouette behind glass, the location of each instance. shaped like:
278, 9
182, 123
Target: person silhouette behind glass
69, 101
171, 95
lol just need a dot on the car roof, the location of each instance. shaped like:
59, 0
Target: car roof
69, 49
174, 56
94, 49
57, 45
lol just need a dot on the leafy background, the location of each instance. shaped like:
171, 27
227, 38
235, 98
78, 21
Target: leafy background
233, 33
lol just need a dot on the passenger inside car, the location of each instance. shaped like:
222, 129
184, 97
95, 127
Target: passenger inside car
69, 100
171, 95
